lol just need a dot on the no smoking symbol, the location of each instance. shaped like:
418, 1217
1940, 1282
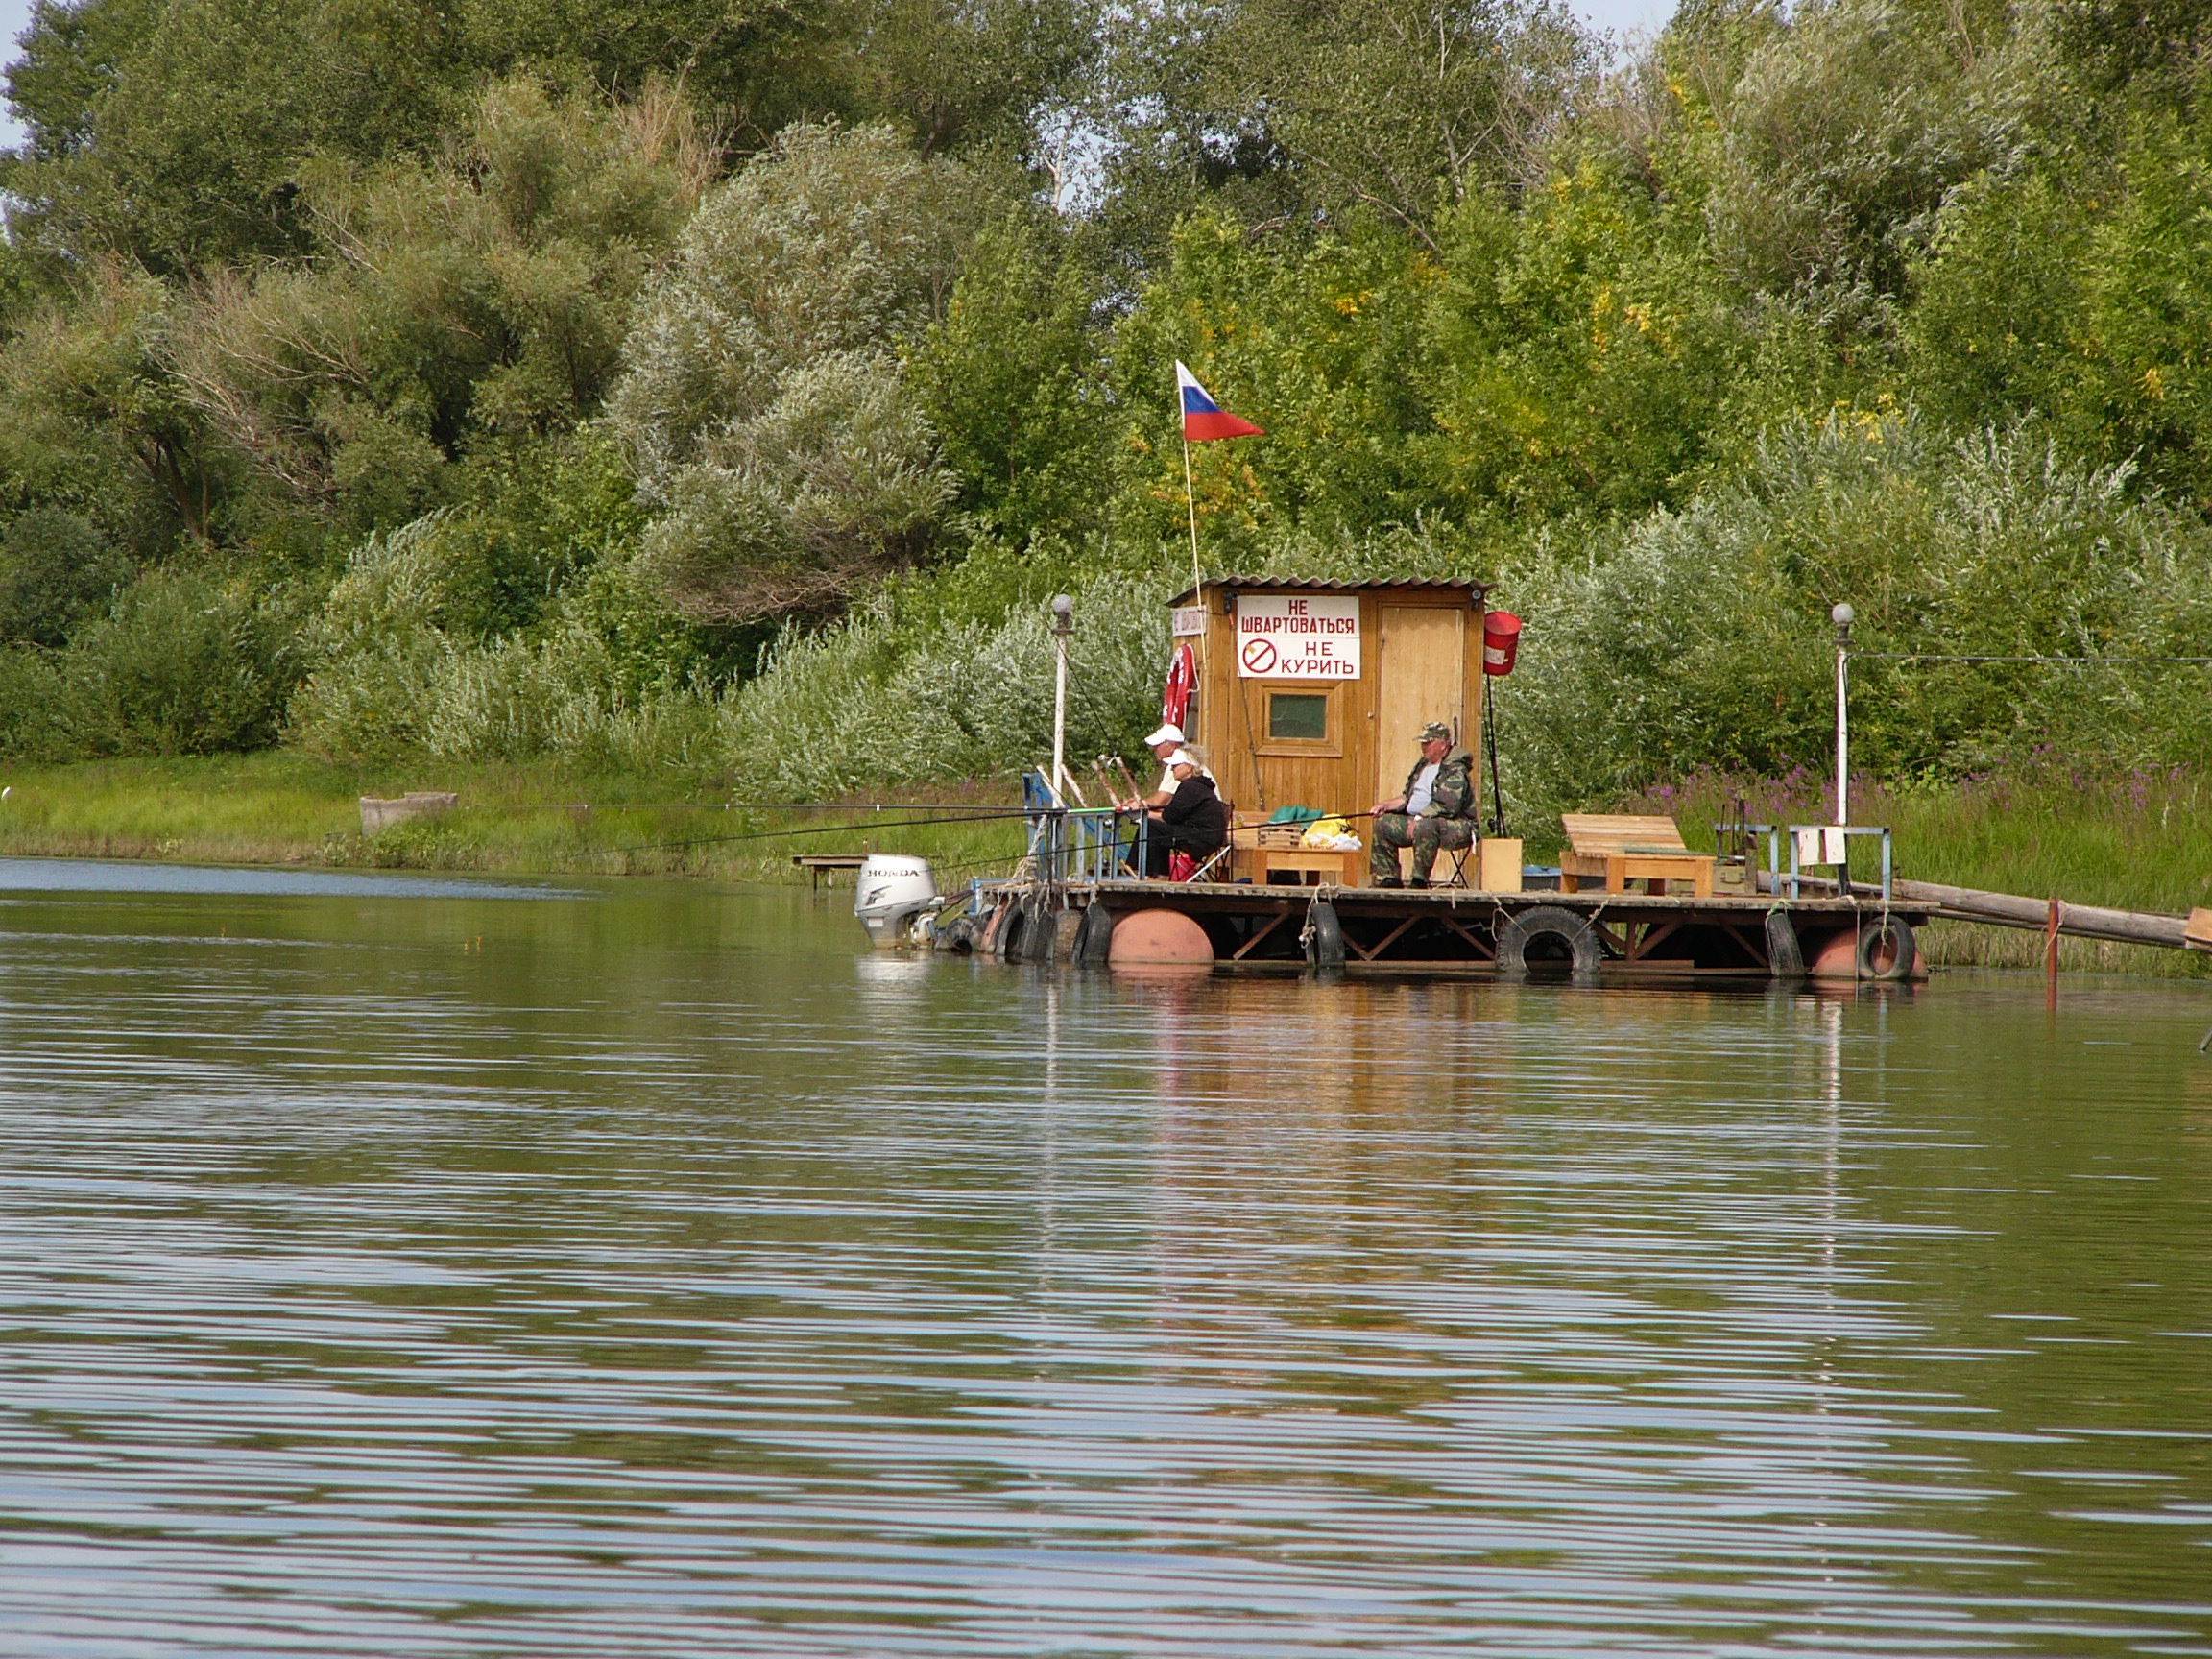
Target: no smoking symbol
1258, 656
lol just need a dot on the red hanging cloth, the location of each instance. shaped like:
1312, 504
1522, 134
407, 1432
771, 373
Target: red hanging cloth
1182, 681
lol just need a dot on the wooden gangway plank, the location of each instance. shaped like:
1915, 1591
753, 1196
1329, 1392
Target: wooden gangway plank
2190, 932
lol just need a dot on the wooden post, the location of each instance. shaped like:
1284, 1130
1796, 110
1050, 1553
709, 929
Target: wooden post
2050, 959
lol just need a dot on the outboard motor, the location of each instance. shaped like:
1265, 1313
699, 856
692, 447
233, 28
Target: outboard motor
893, 889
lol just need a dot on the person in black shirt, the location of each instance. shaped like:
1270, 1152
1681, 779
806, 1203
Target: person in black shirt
1195, 820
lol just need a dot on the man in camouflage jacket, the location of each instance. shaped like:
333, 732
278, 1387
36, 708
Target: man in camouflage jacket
1437, 811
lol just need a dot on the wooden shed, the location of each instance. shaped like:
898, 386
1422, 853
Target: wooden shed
1310, 693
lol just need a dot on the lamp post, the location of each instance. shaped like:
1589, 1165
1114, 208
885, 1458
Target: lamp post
1062, 625
1843, 616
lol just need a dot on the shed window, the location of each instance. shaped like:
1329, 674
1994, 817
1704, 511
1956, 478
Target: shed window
1298, 716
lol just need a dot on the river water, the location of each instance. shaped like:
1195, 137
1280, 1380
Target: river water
647, 1270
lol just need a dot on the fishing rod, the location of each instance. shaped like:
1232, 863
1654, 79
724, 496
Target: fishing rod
733, 807
974, 815
824, 829
1954, 657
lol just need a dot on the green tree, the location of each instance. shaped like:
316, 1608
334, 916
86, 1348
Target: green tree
763, 407
2149, 309
171, 133
92, 418
1401, 107
1281, 113
55, 569
1010, 381
456, 309
1581, 354
1822, 148
1997, 320
1315, 344
963, 75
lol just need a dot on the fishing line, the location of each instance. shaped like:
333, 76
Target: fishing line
820, 830
1951, 657
972, 816
731, 807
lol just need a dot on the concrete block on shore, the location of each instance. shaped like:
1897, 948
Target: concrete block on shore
377, 813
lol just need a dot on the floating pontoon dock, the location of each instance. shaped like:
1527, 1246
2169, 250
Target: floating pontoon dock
1311, 697
1603, 935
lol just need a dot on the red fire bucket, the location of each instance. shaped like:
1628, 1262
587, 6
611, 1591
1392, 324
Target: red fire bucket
1500, 639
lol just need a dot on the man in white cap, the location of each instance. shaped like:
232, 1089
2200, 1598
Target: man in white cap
1164, 743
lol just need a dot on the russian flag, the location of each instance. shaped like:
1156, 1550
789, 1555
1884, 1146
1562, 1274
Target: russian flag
1203, 418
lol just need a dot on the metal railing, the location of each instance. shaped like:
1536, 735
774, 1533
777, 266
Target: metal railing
1081, 843
1797, 835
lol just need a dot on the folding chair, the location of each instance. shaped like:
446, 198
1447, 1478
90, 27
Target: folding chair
1215, 857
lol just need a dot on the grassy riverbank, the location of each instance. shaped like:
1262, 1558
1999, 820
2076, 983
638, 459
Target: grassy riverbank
2138, 841
279, 808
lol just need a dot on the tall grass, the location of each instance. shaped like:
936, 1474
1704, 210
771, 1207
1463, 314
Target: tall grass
878, 700
2133, 839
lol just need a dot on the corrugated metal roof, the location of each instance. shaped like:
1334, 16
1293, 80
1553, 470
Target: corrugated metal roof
1281, 583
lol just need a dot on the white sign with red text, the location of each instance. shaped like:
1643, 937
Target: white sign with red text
1297, 636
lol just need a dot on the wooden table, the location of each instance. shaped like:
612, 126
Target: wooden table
1337, 869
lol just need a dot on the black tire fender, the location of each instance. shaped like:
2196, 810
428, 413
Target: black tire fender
1886, 949
1094, 936
1575, 931
1040, 930
991, 933
1323, 936
1010, 937
1785, 954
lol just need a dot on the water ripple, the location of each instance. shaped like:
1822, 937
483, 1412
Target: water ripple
653, 1277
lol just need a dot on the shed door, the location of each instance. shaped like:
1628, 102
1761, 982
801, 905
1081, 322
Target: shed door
1423, 673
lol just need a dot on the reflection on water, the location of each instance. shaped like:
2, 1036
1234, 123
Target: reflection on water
665, 1275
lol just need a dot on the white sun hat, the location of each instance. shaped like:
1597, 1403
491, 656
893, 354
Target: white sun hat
1169, 734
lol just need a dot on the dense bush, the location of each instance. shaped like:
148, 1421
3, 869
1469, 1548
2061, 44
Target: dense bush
891, 694
530, 384
401, 661
1702, 639
763, 405
869, 702
54, 569
184, 664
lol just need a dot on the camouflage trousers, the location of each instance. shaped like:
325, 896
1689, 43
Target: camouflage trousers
1392, 830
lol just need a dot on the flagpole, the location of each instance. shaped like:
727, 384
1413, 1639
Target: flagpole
1190, 500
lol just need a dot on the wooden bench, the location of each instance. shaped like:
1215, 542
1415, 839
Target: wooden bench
1620, 848
815, 863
